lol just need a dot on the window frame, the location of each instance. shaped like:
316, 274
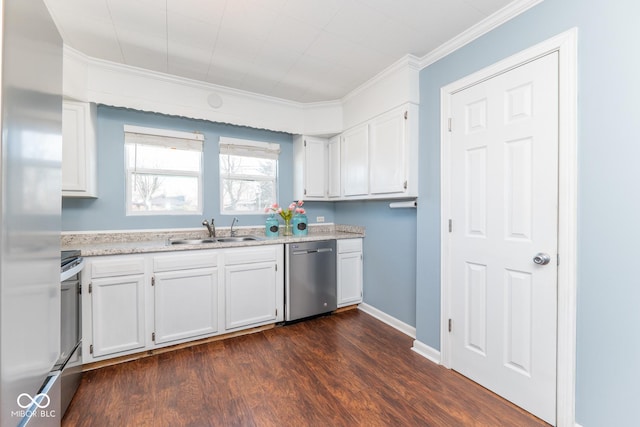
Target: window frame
248, 148
191, 141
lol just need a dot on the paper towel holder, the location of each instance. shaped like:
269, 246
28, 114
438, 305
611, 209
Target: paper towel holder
407, 204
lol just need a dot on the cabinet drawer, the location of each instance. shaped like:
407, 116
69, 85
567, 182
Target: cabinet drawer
349, 245
185, 261
251, 255
122, 266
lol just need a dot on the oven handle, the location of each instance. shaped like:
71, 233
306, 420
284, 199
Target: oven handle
72, 271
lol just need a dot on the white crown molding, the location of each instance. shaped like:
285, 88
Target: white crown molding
494, 20
408, 61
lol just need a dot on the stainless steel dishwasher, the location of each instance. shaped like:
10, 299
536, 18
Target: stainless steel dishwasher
310, 279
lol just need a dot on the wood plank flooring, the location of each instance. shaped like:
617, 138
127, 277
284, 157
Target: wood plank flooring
347, 369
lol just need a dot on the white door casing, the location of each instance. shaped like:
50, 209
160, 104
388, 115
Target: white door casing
566, 46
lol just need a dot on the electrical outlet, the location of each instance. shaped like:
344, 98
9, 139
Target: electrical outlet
319, 219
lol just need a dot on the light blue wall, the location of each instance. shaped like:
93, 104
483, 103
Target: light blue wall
608, 348
107, 212
389, 255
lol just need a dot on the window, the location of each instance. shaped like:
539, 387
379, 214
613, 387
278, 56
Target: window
248, 175
164, 171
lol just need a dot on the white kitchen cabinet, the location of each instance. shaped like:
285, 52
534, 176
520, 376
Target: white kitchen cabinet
310, 168
388, 153
253, 286
117, 298
354, 161
333, 167
186, 296
79, 166
349, 271
136, 303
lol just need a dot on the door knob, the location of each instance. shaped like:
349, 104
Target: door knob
542, 258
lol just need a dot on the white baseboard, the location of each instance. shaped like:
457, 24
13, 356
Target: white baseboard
426, 351
389, 320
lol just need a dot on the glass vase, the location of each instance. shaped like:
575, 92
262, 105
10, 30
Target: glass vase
286, 229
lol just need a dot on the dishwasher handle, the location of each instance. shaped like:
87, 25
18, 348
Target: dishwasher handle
313, 251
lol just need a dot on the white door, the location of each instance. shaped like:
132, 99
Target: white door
504, 206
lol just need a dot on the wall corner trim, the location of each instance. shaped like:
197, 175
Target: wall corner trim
389, 320
426, 351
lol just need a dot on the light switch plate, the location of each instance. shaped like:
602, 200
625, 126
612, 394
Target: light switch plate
319, 219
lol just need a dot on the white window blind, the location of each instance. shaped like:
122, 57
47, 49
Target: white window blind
164, 171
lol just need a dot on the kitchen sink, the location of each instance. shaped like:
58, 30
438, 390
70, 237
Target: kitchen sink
191, 241
237, 239
229, 239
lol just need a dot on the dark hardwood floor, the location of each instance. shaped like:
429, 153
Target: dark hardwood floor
347, 369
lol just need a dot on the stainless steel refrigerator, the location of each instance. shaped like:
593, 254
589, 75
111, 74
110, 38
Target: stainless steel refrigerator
30, 207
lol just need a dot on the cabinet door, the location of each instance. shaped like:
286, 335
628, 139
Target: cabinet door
78, 150
333, 167
315, 163
349, 279
250, 294
354, 161
387, 151
117, 307
186, 304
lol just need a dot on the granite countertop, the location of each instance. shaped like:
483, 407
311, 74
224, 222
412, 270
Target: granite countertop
136, 242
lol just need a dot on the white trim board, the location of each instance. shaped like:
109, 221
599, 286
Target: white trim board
566, 45
389, 320
426, 351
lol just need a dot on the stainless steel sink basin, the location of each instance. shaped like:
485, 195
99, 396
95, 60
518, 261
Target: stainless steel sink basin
237, 239
191, 241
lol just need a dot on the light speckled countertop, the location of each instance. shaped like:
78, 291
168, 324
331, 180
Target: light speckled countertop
135, 242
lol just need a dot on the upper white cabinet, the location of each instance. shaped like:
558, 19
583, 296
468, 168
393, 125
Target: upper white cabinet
387, 153
391, 148
377, 159
79, 171
354, 161
310, 168
333, 167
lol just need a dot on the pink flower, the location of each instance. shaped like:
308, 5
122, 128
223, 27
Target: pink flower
267, 209
279, 210
275, 206
292, 206
300, 202
300, 210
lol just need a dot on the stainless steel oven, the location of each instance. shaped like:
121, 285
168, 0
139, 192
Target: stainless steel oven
69, 363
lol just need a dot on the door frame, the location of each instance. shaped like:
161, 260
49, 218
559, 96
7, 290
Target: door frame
566, 46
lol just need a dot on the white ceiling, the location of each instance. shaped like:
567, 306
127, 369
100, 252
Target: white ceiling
299, 50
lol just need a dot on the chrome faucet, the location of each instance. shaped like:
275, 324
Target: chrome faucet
234, 232
211, 228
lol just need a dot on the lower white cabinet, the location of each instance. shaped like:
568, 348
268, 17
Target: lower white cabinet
349, 271
186, 304
117, 307
136, 303
253, 287
186, 295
